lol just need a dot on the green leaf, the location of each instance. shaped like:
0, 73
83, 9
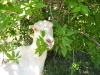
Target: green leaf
69, 33
4, 21
16, 9
37, 50
13, 54
63, 42
84, 9
28, 12
38, 42
76, 10
56, 48
43, 33
41, 51
3, 7
63, 51
41, 40
72, 4
17, 54
8, 55
16, 61
42, 46
10, 5
63, 31
40, 5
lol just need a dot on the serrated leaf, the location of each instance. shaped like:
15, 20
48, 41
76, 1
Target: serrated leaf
8, 55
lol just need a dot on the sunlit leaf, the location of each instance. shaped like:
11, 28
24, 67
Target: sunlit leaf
40, 5
8, 55
17, 54
4, 21
28, 12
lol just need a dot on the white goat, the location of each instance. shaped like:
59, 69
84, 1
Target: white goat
30, 63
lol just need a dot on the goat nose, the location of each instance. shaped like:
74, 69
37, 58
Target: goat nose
49, 41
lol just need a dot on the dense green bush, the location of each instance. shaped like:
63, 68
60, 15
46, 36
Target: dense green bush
76, 28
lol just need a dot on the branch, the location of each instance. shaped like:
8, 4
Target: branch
94, 40
50, 8
51, 12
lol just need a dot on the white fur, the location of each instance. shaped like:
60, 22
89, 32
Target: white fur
30, 63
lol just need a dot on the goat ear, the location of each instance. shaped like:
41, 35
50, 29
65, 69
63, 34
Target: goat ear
31, 27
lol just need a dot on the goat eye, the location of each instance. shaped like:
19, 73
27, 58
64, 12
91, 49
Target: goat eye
35, 29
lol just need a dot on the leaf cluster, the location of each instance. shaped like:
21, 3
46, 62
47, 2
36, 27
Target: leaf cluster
14, 57
42, 46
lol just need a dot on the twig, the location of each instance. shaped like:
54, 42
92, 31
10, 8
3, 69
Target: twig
51, 12
91, 38
96, 42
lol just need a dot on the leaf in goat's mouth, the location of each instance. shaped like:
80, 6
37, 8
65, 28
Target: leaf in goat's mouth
42, 46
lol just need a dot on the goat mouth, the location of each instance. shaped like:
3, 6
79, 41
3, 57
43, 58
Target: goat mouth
50, 46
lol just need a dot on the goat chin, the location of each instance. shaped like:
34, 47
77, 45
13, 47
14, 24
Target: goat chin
29, 63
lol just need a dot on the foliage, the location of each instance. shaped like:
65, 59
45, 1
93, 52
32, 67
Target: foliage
76, 27
12, 56
42, 46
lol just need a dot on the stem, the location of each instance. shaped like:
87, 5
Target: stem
51, 11
73, 55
